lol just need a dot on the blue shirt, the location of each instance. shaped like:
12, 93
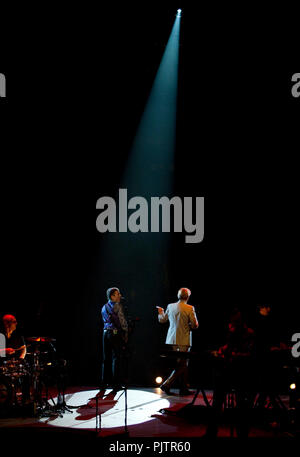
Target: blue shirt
113, 316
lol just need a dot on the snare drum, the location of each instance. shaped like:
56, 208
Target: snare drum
14, 368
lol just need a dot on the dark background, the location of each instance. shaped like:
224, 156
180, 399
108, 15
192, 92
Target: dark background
77, 82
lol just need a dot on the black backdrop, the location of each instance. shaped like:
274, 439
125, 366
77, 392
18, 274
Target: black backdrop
77, 83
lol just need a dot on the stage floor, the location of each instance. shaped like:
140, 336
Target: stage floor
150, 413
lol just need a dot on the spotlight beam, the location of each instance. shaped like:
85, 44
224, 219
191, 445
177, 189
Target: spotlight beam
129, 259
149, 167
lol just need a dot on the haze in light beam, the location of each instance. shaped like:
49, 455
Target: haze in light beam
150, 164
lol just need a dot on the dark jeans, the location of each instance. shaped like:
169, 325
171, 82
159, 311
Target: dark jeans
180, 372
112, 358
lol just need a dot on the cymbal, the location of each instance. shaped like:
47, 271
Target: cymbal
40, 339
32, 353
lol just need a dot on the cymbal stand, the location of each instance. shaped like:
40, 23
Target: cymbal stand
42, 405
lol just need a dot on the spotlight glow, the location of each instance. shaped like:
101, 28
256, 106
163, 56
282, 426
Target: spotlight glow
293, 386
179, 12
142, 405
158, 380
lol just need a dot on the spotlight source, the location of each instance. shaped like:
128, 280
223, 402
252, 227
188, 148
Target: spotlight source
158, 380
293, 386
179, 12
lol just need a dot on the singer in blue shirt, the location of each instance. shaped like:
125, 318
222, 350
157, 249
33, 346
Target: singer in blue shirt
115, 335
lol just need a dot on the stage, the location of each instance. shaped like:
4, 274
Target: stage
150, 414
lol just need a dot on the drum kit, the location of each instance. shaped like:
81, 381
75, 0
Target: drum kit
24, 382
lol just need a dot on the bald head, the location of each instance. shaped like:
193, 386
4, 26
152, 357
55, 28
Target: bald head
184, 293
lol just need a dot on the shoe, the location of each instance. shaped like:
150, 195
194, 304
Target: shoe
100, 394
165, 389
104, 386
117, 388
184, 392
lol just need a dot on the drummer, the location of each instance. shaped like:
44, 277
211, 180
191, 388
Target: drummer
14, 342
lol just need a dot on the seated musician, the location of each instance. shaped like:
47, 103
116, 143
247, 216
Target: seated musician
233, 373
14, 343
15, 348
240, 337
267, 337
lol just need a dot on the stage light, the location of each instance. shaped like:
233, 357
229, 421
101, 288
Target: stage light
158, 380
179, 12
293, 386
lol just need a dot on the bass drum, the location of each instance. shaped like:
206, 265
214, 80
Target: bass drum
5, 393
